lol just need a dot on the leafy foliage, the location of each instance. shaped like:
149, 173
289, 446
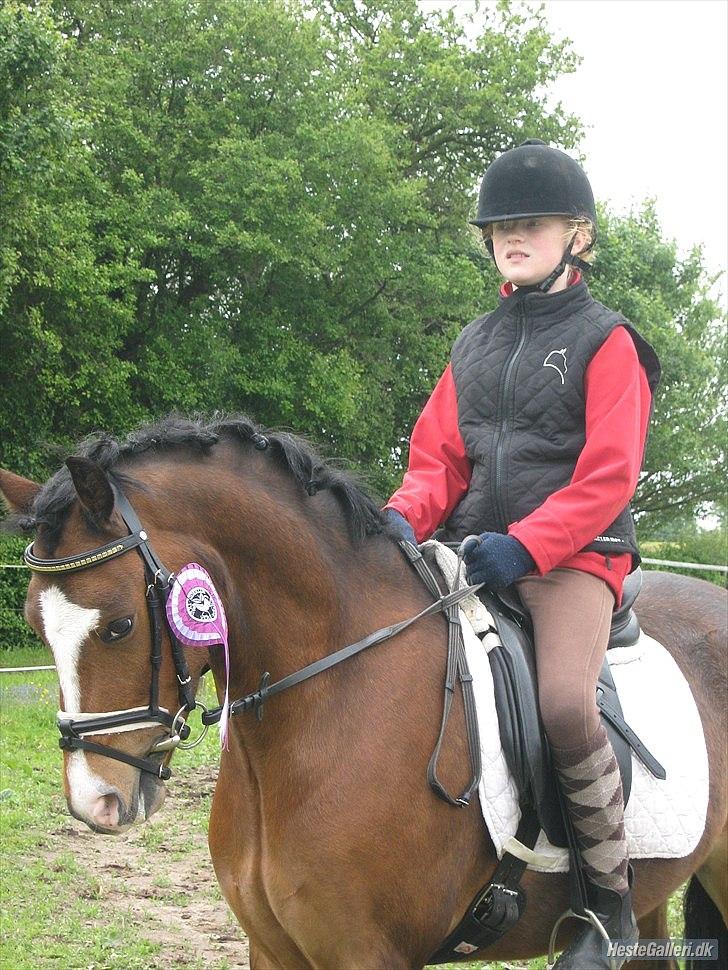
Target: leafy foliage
15, 634
257, 206
667, 299
692, 545
263, 206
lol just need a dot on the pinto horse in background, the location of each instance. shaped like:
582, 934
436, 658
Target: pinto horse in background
328, 844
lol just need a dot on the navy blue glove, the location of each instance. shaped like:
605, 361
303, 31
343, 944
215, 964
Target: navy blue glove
495, 560
399, 527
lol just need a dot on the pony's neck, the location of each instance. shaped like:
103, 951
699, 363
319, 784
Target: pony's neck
271, 557
295, 588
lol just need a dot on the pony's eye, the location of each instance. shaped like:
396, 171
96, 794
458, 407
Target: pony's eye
117, 629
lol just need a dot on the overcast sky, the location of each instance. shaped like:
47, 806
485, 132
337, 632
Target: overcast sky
652, 91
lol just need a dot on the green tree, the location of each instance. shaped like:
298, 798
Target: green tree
257, 206
60, 299
668, 299
263, 206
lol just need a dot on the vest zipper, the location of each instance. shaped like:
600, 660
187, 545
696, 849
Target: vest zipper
505, 409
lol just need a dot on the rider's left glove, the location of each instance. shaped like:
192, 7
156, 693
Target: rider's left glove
495, 560
399, 526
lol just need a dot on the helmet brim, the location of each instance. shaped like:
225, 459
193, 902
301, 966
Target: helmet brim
511, 217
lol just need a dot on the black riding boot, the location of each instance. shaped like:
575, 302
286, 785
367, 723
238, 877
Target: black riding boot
588, 949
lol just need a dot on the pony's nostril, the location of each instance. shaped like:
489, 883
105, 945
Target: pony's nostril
105, 812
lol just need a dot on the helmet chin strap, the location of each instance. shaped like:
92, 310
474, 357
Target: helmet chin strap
568, 259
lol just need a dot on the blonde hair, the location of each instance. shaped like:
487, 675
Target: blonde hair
584, 226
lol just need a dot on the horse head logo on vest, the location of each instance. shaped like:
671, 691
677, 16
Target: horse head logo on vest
557, 360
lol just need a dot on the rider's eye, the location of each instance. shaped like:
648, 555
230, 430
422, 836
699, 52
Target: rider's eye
117, 629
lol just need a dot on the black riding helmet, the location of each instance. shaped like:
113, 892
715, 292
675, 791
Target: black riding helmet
536, 180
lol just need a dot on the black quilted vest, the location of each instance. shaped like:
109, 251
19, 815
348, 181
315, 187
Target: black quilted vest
519, 376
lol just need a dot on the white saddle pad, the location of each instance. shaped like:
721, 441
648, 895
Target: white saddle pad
663, 819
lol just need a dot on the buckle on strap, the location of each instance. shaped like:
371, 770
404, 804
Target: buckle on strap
498, 908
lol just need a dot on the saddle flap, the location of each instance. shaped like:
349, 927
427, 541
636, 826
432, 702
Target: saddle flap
522, 736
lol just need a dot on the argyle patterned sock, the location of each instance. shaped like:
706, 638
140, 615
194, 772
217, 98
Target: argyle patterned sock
590, 780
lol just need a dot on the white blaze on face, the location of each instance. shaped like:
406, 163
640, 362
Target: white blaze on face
66, 626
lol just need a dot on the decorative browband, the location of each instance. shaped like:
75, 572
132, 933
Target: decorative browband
83, 560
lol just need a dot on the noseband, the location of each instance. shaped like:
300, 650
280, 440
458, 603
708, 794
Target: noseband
74, 725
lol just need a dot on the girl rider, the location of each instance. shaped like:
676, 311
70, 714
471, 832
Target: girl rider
533, 439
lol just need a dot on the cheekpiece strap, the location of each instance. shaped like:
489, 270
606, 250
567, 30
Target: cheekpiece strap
159, 572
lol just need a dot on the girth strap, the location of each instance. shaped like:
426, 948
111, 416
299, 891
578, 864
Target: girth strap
497, 907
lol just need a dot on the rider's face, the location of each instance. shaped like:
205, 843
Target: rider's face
527, 250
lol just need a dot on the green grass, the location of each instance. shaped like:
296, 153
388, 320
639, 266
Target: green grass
52, 912
26, 657
47, 910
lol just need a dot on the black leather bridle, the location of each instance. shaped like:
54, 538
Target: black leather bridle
74, 725
159, 580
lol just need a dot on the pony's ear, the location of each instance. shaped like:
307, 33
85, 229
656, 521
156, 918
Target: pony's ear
18, 492
92, 486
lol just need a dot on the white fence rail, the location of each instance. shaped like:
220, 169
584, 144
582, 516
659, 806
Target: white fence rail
685, 565
24, 670
649, 562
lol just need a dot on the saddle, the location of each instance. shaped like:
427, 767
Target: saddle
524, 743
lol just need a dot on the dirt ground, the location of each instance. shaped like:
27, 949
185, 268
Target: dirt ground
171, 896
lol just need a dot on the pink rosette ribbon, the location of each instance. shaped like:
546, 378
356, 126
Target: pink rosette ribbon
197, 618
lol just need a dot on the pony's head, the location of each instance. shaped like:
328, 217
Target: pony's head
96, 598
99, 573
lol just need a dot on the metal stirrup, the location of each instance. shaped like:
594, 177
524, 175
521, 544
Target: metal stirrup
589, 917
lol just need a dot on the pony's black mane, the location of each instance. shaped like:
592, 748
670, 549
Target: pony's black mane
291, 452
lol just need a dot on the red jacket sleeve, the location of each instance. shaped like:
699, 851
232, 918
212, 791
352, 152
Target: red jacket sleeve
618, 403
439, 471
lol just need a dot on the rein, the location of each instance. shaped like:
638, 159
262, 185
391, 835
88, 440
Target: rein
73, 726
456, 665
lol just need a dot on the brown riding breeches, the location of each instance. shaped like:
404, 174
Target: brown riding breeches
572, 614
